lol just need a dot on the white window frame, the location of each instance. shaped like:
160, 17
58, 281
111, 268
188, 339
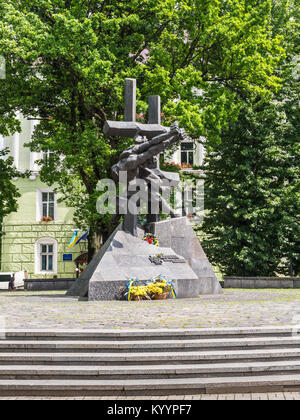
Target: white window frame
188, 152
39, 203
47, 155
38, 256
47, 253
48, 204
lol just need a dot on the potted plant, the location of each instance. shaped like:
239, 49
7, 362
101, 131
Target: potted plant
46, 219
171, 167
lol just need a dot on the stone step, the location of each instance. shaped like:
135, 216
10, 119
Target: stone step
154, 358
150, 346
179, 386
150, 372
138, 335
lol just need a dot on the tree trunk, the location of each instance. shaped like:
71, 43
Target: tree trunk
95, 241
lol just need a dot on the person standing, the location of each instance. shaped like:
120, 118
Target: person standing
11, 284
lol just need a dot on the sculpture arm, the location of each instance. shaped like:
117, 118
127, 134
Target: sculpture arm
174, 130
138, 155
156, 149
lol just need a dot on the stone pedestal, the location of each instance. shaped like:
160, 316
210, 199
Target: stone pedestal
124, 256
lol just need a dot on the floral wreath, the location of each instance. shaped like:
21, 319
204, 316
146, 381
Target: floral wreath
146, 290
151, 239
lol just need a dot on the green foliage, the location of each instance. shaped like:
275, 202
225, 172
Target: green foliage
8, 191
67, 60
252, 192
253, 178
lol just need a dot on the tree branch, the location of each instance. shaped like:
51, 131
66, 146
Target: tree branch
157, 33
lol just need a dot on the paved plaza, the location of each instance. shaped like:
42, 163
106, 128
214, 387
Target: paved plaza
236, 308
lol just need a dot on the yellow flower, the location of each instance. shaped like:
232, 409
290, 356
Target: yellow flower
139, 291
154, 289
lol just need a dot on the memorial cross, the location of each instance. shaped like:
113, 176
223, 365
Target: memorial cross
129, 127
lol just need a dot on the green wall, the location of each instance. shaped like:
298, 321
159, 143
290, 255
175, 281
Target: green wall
22, 231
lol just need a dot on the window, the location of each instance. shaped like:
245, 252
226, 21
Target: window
46, 156
187, 152
46, 256
48, 204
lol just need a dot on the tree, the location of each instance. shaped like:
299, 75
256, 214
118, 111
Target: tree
252, 193
252, 176
8, 191
67, 60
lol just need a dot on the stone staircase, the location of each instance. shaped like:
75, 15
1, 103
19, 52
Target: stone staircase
156, 362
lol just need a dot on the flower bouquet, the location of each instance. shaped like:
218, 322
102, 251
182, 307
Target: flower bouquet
136, 290
151, 239
160, 287
139, 292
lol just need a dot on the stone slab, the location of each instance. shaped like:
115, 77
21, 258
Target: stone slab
261, 282
48, 284
81, 286
180, 236
219, 332
276, 383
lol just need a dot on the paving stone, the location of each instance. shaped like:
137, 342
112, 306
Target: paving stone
209, 397
259, 397
242, 397
276, 396
226, 397
292, 396
236, 308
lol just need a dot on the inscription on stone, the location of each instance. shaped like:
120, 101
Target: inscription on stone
155, 260
167, 258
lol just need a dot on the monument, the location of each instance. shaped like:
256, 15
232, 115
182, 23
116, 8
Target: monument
125, 254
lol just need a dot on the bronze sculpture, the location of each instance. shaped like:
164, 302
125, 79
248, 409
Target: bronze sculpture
140, 161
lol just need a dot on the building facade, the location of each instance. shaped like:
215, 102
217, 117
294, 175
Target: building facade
37, 236
190, 153
29, 242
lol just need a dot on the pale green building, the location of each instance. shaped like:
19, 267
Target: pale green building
30, 244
